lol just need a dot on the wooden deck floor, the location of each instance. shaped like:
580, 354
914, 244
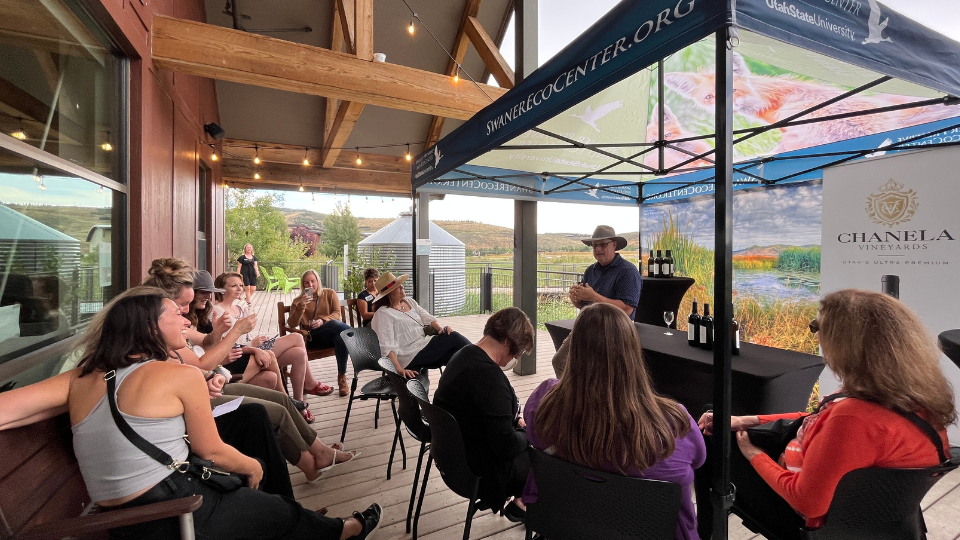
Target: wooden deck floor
357, 484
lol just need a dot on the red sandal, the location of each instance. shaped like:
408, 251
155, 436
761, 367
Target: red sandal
308, 416
320, 390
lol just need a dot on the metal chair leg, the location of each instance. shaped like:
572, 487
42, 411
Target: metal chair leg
393, 450
423, 492
416, 476
346, 419
187, 532
471, 510
396, 418
376, 416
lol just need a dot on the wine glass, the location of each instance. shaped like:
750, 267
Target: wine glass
668, 318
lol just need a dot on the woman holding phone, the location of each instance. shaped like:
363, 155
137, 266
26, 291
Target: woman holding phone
317, 314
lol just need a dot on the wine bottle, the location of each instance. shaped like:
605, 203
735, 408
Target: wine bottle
658, 265
650, 259
890, 284
693, 326
706, 328
735, 333
668, 263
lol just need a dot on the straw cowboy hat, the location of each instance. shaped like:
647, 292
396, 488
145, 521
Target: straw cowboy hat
605, 232
387, 282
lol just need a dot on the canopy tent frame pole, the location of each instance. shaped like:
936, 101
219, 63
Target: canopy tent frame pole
722, 494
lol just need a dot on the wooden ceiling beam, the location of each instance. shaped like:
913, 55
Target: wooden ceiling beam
243, 150
206, 50
335, 180
347, 24
470, 9
336, 44
348, 112
489, 53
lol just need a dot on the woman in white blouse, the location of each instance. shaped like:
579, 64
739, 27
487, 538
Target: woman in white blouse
400, 324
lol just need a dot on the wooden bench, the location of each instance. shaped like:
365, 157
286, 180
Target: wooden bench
43, 496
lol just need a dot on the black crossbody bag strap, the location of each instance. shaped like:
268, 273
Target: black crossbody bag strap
135, 439
927, 429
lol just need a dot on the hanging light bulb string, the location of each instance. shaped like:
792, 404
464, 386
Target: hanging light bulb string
459, 67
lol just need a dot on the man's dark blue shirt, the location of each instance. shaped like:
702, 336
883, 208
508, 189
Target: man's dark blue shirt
619, 280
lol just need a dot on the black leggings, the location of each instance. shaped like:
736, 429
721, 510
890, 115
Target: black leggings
244, 513
761, 506
248, 429
438, 351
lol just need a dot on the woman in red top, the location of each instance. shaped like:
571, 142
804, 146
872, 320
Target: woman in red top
885, 360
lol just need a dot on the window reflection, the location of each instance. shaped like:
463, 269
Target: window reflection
59, 84
57, 262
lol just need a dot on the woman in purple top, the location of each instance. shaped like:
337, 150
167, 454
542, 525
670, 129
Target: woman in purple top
604, 413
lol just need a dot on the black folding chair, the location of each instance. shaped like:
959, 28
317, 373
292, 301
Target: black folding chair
364, 349
407, 408
880, 504
446, 448
575, 502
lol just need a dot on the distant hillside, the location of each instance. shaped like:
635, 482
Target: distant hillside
765, 251
303, 217
74, 221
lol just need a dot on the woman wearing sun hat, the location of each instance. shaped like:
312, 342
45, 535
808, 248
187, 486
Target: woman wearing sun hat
409, 335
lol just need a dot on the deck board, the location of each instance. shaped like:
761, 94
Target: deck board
354, 485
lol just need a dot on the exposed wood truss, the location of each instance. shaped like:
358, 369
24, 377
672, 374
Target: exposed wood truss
215, 52
239, 173
489, 53
243, 150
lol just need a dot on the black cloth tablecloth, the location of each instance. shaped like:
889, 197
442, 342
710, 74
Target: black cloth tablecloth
950, 343
658, 295
765, 380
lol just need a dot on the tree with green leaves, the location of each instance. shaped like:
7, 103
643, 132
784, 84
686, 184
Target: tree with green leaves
339, 229
253, 218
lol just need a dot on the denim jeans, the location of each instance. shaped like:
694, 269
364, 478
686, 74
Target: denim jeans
328, 335
244, 513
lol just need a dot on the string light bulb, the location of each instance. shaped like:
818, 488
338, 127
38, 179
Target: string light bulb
256, 156
256, 176
37, 178
456, 75
42, 187
100, 189
20, 133
301, 184
106, 146
408, 156
412, 29
359, 161
306, 162
214, 156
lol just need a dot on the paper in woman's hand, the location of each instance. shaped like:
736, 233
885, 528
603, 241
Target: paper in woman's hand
227, 407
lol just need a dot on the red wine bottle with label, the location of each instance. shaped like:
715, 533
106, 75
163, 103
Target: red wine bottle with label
693, 326
668, 265
650, 270
706, 329
658, 265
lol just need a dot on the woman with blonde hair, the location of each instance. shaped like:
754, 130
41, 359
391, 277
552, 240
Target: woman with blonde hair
605, 414
289, 350
317, 314
249, 269
889, 367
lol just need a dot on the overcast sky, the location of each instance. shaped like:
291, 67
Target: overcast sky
566, 19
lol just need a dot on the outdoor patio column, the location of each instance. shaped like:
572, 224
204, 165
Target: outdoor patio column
525, 212
422, 227
722, 284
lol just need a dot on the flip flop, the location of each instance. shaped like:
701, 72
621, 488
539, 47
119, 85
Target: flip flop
352, 453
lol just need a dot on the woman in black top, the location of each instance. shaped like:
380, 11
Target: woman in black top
248, 268
474, 389
365, 298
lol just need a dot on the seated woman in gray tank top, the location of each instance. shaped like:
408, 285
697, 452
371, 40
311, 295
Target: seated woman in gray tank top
162, 402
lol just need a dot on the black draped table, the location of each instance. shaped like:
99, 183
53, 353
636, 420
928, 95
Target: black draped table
658, 295
765, 380
950, 343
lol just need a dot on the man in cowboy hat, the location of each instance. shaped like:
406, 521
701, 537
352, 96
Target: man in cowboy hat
611, 280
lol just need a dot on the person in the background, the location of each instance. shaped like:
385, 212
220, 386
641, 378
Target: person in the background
604, 413
475, 391
248, 267
317, 313
611, 280
365, 298
887, 363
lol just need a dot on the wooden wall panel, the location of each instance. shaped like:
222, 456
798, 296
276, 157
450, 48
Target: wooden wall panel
184, 189
156, 204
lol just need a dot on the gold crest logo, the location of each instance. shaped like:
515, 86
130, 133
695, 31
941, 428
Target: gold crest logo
893, 205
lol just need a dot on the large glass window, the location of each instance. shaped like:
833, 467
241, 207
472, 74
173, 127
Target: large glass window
60, 84
60, 257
